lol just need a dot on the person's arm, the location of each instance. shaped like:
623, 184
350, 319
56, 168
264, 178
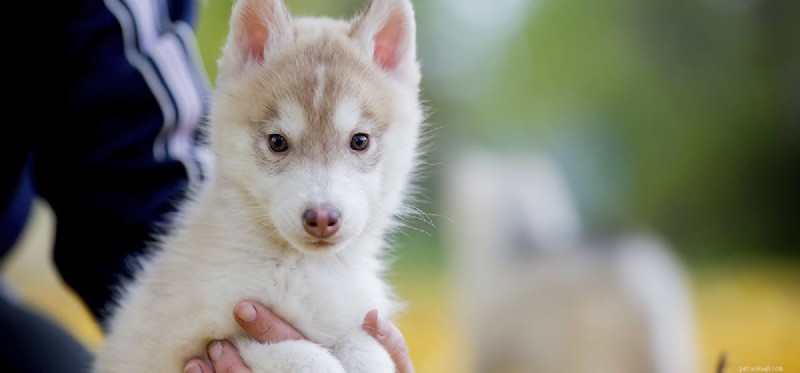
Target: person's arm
266, 327
116, 151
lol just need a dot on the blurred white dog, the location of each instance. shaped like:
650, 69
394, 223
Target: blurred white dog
538, 298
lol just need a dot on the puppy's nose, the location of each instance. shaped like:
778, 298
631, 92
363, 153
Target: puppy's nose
322, 221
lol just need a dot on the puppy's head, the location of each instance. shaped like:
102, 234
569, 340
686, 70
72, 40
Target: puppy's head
315, 121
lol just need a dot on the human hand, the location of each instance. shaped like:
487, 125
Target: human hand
390, 337
266, 327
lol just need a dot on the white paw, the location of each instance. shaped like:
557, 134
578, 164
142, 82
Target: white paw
360, 353
288, 357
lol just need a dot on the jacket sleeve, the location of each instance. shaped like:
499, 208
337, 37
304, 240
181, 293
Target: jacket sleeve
127, 142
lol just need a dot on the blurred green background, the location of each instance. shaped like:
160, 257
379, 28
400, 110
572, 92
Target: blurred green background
680, 116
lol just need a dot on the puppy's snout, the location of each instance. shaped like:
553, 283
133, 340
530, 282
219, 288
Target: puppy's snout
322, 221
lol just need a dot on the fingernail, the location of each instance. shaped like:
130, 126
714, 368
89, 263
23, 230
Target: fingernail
192, 367
245, 312
215, 351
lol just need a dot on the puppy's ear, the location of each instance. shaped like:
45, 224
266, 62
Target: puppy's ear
258, 29
387, 31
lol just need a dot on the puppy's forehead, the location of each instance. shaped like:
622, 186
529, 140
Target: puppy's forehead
346, 116
334, 90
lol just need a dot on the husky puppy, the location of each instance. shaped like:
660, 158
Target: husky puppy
314, 126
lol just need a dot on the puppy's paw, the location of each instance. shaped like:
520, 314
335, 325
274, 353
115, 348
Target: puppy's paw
288, 357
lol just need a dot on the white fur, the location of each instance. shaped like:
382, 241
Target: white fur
240, 237
347, 115
319, 90
292, 120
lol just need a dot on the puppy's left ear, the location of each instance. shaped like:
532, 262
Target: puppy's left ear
387, 31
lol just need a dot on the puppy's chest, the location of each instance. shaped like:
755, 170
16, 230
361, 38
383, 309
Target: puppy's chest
322, 301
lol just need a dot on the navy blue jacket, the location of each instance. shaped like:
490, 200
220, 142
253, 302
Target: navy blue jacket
109, 101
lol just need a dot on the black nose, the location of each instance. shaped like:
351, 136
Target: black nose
322, 221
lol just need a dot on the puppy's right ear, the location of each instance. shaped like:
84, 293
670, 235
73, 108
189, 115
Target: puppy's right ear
258, 29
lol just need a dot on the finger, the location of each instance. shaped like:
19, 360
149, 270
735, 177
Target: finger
226, 359
391, 339
263, 325
198, 366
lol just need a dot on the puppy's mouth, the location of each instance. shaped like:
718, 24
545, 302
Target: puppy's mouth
321, 244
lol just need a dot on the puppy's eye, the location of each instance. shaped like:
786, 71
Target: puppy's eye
277, 143
360, 142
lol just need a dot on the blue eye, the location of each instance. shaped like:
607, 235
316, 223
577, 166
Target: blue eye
360, 142
277, 143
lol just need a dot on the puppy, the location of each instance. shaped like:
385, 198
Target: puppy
314, 127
